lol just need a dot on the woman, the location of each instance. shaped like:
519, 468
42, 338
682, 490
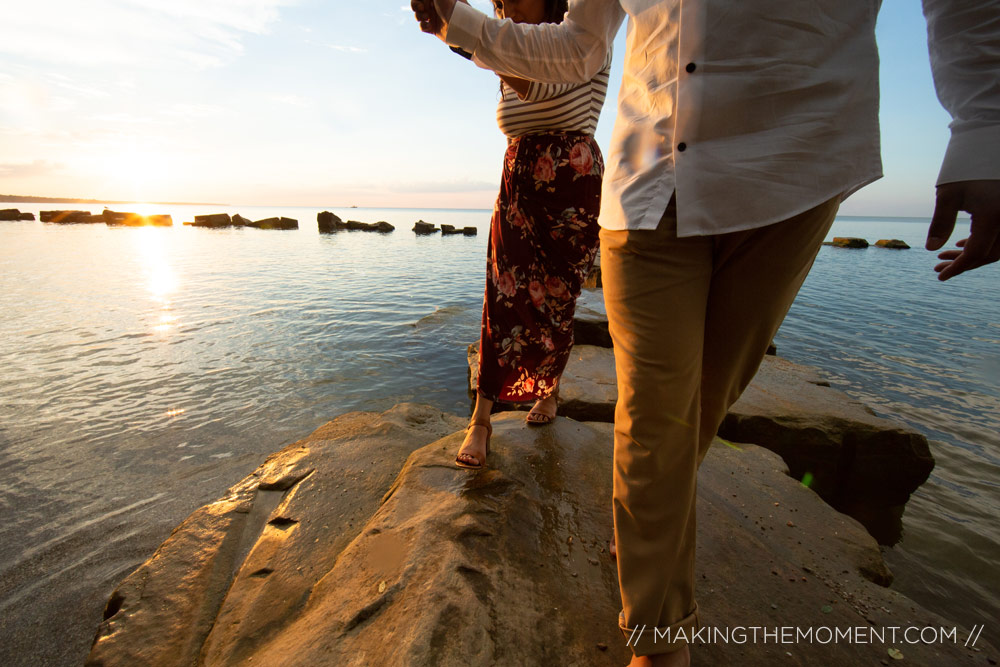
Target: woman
543, 238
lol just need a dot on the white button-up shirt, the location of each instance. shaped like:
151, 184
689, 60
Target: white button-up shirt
751, 111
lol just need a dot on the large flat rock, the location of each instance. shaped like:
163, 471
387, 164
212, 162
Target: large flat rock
277, 531
503, 566
852, 457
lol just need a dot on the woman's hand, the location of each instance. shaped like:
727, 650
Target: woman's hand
431, 15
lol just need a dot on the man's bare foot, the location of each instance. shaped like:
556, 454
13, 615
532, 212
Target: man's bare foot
473, 450
678, 658
543, 411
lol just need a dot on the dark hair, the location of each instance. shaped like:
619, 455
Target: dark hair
554, 10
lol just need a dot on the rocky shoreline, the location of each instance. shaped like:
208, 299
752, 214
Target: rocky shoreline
364, 545
326, 222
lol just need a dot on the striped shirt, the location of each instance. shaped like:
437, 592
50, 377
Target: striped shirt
554, 107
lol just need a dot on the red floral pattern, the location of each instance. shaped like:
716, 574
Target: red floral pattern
543, 242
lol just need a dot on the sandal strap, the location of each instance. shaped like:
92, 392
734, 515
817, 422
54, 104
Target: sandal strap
477, 422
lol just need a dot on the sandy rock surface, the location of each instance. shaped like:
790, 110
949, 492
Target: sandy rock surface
364, 545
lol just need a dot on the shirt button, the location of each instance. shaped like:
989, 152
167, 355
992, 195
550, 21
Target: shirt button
691, 67
682, 147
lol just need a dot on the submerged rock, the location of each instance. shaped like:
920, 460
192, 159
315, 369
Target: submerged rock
470, 231
240, 221
337, 552
892, 244
421, 227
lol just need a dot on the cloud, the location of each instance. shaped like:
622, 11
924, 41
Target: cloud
29, 169
199, 33
347, 49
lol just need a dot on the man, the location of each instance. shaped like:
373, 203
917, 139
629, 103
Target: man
741, 127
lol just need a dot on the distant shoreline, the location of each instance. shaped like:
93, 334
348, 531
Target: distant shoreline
68, 200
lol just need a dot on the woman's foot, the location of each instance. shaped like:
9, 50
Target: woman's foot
612, 549
543, 411
476, 445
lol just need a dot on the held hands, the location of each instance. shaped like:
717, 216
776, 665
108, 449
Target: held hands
431, 18
982, 200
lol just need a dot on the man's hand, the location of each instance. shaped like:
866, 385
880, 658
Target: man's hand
982, 200
433, 19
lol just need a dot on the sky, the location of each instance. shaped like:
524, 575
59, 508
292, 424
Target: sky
320, 103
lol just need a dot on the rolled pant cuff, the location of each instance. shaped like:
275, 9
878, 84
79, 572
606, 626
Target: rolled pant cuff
650, 640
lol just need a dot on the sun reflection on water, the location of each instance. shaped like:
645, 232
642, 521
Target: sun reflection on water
161, 279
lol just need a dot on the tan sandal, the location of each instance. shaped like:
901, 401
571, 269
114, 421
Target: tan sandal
540, 418
489, 432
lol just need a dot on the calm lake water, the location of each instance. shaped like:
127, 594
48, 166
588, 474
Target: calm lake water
143, 371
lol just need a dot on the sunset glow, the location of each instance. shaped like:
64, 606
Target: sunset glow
284, 102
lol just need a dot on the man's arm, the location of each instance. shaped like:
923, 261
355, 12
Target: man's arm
569, 52
964, 42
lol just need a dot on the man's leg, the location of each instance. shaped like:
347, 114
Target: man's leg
655, 289
756, 277
661, 291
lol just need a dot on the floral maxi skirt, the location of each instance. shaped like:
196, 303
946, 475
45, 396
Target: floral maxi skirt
543, 241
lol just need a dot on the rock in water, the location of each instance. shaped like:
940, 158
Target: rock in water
328, 222
121, 218
848, 242
10, 214
240, 221
213, 220
66, 217
160, 220
275, 223
892, 244
383, 227
470, 231
421, 227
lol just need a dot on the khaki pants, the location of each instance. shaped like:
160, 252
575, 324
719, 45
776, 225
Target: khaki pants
691, 319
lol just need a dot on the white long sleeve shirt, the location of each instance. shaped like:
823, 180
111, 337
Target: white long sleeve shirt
752, 111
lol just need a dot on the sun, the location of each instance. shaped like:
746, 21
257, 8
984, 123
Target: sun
137, 174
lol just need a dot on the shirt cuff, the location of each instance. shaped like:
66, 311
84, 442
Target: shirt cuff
972, 155
465, 27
